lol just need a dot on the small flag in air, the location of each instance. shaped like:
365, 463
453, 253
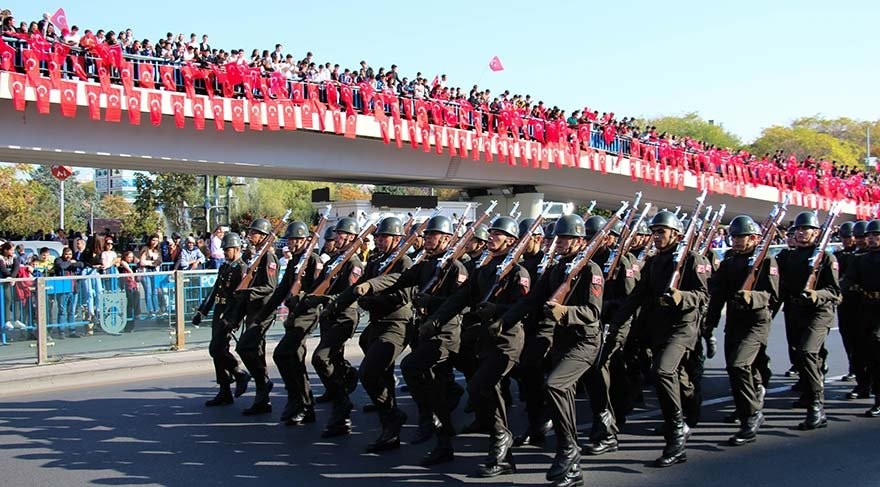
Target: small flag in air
495, 64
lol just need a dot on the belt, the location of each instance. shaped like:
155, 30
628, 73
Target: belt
221, 300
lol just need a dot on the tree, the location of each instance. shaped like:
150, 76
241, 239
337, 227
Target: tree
693, 126
803, 142
173, 193
76, 214
18, 200
844, 129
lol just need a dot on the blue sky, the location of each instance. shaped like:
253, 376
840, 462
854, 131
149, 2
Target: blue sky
746, 64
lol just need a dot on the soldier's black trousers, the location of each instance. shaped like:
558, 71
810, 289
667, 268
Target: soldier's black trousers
224, 362
484, 389
808, 347
290, 355
328, 358
529, 373
670, 378
570, 365
599, 384
381, 342
425, 370
252, 350
743, 348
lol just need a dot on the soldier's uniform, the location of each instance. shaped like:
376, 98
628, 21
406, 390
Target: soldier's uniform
810, 314
250, 302
747, 327
673, 330
575, 344
290, 353
499, 349
862, 277
609, 375
427, 367
849, 322
337, 325
384, 337
226, 366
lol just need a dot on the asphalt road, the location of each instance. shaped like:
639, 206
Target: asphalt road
158, 433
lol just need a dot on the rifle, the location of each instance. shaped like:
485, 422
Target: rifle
301, 264
336, 266
706, 241
677, 211
549, 256
457, 234
514, 255
454, 252
819, 252
404, 245
680, 255
590, 209
412, 219
583, 257
267, 244
702, 226
643, 256
513, 213
625, 240
633, 231
777, 214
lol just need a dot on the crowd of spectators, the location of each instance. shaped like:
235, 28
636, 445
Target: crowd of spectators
776, 169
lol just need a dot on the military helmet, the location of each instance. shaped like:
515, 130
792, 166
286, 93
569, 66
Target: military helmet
550, 228
806, 219
593, 224
297, 230
873, 227
859, 228
643, 228
261, 225
666, 219
743, 225
505, 224
346, 225
846, 230
570, 226
439, 224
525, 224
231, 239
617, 228
330, 234
481, 233
390, 225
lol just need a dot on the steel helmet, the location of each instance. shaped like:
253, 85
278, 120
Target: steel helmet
346, 225
390, 226
439, 224
481, 233
231, 239
643, 228
525, 224
261, 225
593, 224
297, 230
859, 228
505, 224
846, 230
873, 227
330, 234
807, 219
666, 219
743, 225
570, 226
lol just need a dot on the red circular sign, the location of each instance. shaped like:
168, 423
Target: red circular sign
62, 172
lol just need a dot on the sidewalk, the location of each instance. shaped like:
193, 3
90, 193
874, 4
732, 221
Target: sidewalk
26, 379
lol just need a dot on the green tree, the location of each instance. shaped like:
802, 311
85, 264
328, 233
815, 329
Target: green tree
175, 194
844, 129
694, 126
19, 203
76, 214
803, 142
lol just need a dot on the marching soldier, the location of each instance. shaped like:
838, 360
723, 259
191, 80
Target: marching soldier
477, 244
427, 367
500, 343
575, 343
385, 336
673, 330
337, 327
810, 312
290, 353
848, 321
748, 321
608, 374
862, 277
252, 343
226, 366
329, 250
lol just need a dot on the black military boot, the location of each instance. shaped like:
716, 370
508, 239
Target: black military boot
815, 417
859, 392
500, 460
290, 409
223, 398
874, 411
607, 442
425, 430
572, 478
535, 434
389, 439
241, 382
441, 453
567, 454
748, 432
304, 414
340, 420
261, 404
676, 440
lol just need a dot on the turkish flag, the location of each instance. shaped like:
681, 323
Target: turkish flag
103, 76
398, 135
439, 133
115, 52
237, 107
146, 76
385, 131
7, 56
167, 74
308, 120
338, 124
255, 120
426, 139
114, 105
56, 63
394, 102
278, 85
297, 93
177, 106
68, 98
412, 135
188, 80
155, 101
79, 67
346, 96
59, 20
31, 66
289, 115
198, 109
272, 115
126, 72
42, 89
93, 94
495, 64
217, 110
408, 109
332, 96
133, 98
351, 125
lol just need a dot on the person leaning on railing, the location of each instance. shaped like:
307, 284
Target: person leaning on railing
149, 261
66, 266
9, 266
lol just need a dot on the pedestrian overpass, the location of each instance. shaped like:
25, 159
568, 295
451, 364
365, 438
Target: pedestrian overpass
315, 154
